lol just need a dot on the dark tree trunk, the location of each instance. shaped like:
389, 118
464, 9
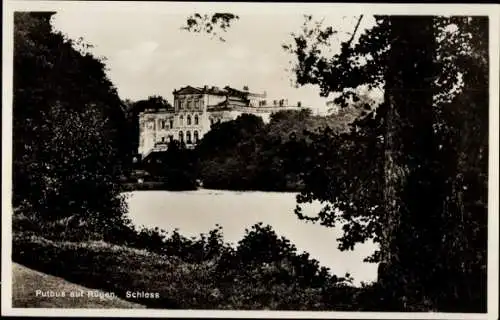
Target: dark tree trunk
411, 188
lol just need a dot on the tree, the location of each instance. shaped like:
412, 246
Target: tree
227, 135
68, 129
464, 139
228, 151
400, 176
394, 194
177, 167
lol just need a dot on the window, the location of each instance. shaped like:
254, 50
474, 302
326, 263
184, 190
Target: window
196, 104
162, 123
171, 123
189, 104
171, 138
211, 121
188, 137
162, 139
181, 120
188, 120
181, 136
199, 104
196, 120
195, 134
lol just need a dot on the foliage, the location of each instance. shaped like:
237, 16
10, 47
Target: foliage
68, 129
176, 168
247, 154
463, 129
210, 24
399, 177
262, 272
228, 151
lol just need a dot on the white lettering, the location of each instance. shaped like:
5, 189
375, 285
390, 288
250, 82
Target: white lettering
50, 294
142, 295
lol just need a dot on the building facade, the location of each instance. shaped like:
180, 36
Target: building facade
196, 109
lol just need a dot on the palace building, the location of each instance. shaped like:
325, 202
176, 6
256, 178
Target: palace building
196, 109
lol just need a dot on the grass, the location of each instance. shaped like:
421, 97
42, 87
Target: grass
26, 283
178, 284
98, 265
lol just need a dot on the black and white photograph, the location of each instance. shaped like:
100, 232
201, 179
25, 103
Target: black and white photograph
213, 159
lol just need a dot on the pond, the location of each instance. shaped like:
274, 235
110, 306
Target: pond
195, 212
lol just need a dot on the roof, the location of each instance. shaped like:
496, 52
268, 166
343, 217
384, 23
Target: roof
235, 92
227, 90
219, 106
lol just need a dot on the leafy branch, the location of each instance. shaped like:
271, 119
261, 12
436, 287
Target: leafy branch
210, 24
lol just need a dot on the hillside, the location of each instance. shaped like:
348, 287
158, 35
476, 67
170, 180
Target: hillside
26, 282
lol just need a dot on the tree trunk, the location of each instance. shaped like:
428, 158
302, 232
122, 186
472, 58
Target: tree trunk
410, 191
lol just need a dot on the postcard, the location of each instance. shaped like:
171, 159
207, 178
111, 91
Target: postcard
271, 160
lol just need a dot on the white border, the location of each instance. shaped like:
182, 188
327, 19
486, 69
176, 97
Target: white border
187, 8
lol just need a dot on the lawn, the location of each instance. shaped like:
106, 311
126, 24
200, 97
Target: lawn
171, 283
31, 289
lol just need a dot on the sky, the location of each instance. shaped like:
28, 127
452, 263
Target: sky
147, 53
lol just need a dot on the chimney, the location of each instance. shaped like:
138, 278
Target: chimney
245, 88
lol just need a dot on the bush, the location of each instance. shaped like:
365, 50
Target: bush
262, 272
173, 169
67, 131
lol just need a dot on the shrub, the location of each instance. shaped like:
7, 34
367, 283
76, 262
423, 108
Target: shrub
262, 272
67, 131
